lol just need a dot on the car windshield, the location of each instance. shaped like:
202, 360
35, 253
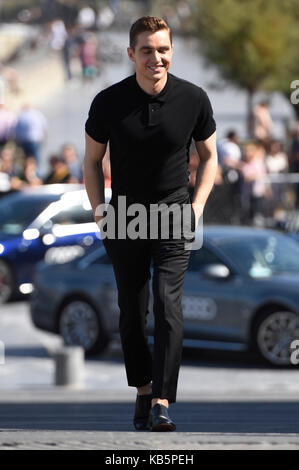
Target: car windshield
263, 256
18, 211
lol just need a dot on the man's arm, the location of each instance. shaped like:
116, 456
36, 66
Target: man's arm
206, 173
93, 173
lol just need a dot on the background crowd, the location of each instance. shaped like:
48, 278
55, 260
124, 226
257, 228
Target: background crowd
244, 191
255, 182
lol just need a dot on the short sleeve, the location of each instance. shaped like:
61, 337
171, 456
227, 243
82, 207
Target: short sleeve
96, 124
205, 125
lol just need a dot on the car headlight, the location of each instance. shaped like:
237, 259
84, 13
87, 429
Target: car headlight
2, 248
31, 234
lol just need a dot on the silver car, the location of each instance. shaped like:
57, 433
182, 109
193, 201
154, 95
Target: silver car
241, 292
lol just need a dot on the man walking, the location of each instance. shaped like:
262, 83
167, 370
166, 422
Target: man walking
149, 120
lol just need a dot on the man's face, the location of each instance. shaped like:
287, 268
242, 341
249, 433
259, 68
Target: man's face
152, 55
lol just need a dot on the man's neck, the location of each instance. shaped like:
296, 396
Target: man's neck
150, 87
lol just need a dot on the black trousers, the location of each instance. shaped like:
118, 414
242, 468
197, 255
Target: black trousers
131, 260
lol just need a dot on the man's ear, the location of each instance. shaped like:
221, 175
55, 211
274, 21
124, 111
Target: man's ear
131, 54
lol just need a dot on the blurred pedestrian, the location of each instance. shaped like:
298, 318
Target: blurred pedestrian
230, 157
7, 124
149, 119
31, 131
11, 77
276, 162
88, 56
263, 123
69, 153
8, 162
57, 35
29, 176
254, 187
276, 158
67, 53
8, 170
230, 154
59, 172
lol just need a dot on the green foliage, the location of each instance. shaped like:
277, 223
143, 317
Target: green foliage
253, 42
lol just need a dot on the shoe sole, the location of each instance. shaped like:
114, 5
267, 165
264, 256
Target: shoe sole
163, 427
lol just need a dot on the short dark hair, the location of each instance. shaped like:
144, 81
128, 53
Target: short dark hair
231, 134
147, 23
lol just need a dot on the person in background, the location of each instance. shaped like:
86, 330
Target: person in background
230, 154
230, 161
8, 162
29, 175
69, 154
10, 77
254, 188
276, 162
31, 131
8, 170
7, 125
67, 53
263, 123
57, 34
276, 158
88, 56
59, 173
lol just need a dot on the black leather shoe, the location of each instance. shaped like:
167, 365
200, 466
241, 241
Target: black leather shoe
142, 410
159, 419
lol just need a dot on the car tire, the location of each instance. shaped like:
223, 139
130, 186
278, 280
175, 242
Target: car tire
273, 334
80, 324
6, 282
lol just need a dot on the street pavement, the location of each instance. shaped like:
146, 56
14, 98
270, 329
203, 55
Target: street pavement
225, 401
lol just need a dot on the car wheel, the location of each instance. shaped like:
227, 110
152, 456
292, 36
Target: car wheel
273, 335
80, 324
6, 282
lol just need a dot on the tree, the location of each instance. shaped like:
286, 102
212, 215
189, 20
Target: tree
251, 41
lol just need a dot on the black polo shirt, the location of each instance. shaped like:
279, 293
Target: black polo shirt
150, 135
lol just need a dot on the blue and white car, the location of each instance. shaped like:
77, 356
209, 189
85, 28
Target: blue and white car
54, 222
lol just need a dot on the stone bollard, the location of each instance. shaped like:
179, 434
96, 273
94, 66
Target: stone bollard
69, 361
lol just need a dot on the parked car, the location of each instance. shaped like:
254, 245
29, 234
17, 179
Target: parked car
49, 221
241, 292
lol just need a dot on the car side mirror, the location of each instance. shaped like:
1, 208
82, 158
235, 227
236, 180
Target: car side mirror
215, 271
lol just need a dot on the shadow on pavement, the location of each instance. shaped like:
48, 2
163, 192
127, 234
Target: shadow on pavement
191, 417
23, 351
201, 358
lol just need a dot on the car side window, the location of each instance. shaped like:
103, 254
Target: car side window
73, 215
201, 258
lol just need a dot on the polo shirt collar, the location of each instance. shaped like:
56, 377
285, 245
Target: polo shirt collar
162, 96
